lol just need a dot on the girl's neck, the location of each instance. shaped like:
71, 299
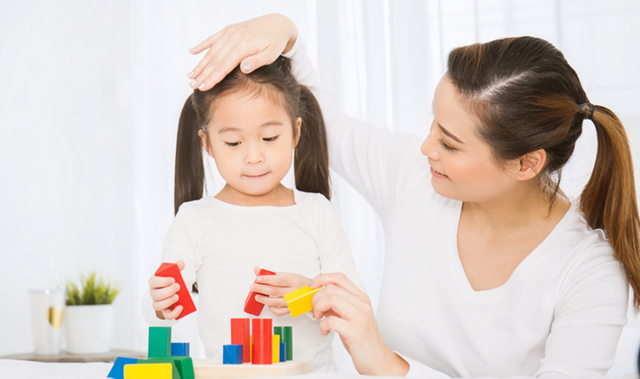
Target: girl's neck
521, 210
280, 196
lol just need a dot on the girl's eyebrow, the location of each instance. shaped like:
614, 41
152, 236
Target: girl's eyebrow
226, 129
450, 135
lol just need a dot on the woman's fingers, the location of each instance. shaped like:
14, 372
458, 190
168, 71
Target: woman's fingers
339, 280
335, 300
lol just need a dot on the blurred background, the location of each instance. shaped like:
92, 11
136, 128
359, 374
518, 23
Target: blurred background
91, 91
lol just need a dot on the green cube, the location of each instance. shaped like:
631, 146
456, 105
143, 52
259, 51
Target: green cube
159, 341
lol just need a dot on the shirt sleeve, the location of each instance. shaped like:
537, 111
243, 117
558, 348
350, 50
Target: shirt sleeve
377, 162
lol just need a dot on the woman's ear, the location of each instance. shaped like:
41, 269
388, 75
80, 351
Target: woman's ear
205, 142
297, 128
531, 164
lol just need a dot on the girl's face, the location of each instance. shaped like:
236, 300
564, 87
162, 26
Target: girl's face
251, 139
462, 166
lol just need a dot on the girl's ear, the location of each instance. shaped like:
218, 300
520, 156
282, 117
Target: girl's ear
531, 164
205, 142
297, 128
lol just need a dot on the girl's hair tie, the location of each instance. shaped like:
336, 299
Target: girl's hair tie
586, 110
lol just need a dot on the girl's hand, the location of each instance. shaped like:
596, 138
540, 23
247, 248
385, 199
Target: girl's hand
256, 42
164, 294
348, 312
275, 287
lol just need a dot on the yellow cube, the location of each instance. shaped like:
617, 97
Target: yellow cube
276, 348
299, 301
149, 371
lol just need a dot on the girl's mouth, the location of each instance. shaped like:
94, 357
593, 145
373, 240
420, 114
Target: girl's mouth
438, 175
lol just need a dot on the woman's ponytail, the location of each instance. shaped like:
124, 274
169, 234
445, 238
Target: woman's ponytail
609, 198
311, 159
189, 171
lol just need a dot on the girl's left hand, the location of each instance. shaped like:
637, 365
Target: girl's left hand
275, 287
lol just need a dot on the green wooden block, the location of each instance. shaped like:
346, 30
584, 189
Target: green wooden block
287, 332
175, 374
184, 365
159, 341
277, 330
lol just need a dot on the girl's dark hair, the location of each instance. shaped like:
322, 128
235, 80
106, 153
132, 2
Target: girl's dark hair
311, 158
527, 98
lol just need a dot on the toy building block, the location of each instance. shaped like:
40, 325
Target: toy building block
283, 352
251, 306
159, 341
184, 297
183, 365
180, 349
150, 371
232, 354
261, 331
276, 348
299, 301
117, 370
241, 334
287, 333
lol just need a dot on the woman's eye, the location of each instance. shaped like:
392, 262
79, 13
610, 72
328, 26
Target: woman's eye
445, 146
271, 139
232, 144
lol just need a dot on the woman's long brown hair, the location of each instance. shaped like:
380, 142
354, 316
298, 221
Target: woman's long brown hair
527, 97
311, 158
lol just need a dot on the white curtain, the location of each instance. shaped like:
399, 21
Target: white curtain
91, 93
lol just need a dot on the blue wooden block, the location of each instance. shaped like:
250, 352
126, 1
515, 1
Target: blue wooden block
117, 370
283, 352
180, 349
232, 354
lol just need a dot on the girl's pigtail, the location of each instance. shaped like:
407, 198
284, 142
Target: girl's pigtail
311, 159
189, 171
609, 198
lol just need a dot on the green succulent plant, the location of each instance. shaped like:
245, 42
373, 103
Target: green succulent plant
90, 291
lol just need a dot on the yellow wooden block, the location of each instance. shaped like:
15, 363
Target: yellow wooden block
276, 348
299, 301
149, 371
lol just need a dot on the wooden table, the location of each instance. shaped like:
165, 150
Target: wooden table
78, 358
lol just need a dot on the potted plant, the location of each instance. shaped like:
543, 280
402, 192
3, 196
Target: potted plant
89, 315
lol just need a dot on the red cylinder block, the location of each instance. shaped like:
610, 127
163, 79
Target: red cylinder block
240, 334
262, 332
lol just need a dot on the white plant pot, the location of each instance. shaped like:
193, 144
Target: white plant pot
88, 328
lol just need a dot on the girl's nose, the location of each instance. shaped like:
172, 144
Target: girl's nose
254, 155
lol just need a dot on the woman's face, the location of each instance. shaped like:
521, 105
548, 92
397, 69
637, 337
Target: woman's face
462, 166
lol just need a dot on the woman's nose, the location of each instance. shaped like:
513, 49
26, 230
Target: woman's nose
429, 146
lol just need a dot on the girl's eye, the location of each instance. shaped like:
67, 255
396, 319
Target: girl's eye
445, 146
271, 139
232, 144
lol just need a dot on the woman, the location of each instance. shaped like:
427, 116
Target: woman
489, 268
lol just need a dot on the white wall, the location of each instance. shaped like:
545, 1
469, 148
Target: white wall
90, 94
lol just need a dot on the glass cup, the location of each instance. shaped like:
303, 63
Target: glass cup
47, 310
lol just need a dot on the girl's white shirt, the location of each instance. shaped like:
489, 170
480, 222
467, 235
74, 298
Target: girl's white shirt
560, 313
221, 244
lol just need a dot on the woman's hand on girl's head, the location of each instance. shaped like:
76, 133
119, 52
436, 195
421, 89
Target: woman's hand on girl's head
275, 287
348, 311
255, 43
164, 293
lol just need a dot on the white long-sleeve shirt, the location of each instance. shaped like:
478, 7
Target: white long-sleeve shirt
221, 244
560, 313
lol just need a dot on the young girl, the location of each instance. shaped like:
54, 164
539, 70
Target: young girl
251, 125
490, 271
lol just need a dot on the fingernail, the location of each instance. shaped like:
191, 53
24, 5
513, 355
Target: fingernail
252, 288
310, 283
193, 83
191, 49
259, 279
177, 286
246, 66
202, 86
190, 75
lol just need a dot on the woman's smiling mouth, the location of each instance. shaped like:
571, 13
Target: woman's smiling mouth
438, 175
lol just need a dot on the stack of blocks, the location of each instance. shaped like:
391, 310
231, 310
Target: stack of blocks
166, 360
266, 345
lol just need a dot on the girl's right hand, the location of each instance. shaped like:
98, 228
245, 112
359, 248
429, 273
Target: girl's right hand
255, 43
164, 293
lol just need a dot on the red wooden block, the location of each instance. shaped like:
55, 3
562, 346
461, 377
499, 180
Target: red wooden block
261, 330
184, 297
241, 335
251, 306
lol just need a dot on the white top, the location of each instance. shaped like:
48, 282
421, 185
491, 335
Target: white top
560, 313
221, 243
